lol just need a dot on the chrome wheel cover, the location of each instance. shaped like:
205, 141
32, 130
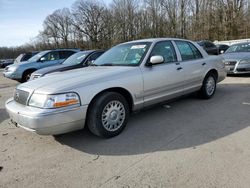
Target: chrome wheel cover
113, 115
210, 85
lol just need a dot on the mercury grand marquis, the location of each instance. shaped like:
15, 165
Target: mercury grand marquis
126, 78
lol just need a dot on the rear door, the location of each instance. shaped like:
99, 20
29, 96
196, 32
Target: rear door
163, 81
193, 65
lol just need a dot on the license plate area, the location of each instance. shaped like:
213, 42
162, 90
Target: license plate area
229, 68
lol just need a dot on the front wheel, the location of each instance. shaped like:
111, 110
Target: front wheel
209, 86
108, 115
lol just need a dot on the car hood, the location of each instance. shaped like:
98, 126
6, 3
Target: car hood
50, 69
20, 63
236, 56
67, 81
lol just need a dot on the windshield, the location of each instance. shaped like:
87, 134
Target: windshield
37, 56
130, 54
76, 59
239, 48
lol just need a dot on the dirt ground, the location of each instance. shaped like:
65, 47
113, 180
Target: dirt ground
187, 143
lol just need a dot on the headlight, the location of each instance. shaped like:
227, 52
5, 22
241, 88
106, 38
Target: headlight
245, 62
54, 101
12, 68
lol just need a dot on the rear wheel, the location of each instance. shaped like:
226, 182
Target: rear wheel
108, 115
209, 86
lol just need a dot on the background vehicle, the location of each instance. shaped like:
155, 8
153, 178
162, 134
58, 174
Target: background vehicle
22, 71
237, 58
126, 78
209, 47
222, 48
77, 60
6, 63
25, 57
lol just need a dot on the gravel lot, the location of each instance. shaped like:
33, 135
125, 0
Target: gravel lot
187, 143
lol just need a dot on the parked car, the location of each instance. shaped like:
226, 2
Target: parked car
77, 60
222, 48
126, 78
237, 58
6, 63
209, 47
25, 56
22, 71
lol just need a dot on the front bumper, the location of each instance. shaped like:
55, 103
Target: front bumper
46, 121
11, 75
238, 68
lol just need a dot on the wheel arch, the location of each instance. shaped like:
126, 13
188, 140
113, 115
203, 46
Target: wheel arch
215, 72
26, 71
29, 70
122, 91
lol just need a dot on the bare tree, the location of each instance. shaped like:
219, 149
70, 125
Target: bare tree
58, 26
89, 21
91, 24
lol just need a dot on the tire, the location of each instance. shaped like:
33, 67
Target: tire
108, 115
26, 76
209, 86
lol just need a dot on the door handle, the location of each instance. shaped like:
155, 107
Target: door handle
179, 68
203, 64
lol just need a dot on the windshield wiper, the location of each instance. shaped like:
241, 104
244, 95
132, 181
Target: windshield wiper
107, 64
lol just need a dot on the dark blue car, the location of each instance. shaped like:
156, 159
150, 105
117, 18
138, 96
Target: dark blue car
78, 60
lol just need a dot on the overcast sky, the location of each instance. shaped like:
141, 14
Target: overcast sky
21, 20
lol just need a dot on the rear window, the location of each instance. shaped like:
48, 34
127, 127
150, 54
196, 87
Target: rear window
188, 51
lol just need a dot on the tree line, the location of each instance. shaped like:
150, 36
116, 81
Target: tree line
91, 24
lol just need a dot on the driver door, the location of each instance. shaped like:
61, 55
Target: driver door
163, 81
50, 59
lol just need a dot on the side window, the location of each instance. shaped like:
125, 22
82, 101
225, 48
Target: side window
197, 53
51, 56
94, 56
65, 54
166, 50
188, 51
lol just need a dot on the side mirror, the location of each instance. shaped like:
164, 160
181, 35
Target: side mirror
157, 59
42, 59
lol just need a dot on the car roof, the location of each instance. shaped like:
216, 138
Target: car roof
66, 49
202, 41
91, 51
222, 45
155, 40
241, 43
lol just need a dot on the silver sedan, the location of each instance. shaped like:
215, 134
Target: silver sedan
126, 78
237, 58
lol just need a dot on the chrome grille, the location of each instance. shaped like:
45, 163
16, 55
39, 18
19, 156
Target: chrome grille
21, 96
